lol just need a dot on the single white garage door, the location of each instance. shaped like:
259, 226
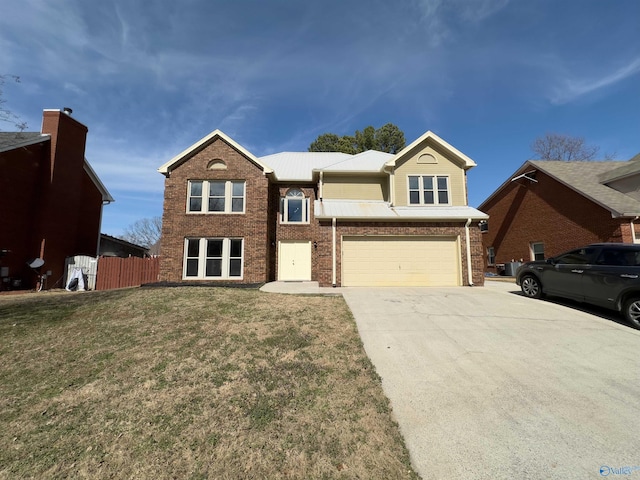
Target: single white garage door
391, 261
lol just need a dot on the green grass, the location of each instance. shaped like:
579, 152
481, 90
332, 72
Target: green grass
190, 383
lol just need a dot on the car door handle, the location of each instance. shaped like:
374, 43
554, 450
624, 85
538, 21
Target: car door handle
577, 271
626, 275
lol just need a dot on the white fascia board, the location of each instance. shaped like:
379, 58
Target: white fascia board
468, 163
508, 181
167, 167
106, 196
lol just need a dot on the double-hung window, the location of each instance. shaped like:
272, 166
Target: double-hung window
294, 207
213, 258
428, 190
537, 251
216, 196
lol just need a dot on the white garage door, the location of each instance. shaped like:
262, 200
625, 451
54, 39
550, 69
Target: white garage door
400, 261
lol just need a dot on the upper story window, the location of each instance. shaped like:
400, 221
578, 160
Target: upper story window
216, 196
294, 207
428, 190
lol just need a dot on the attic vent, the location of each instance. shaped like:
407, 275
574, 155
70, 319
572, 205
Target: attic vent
67, 110
216, 164
427, 158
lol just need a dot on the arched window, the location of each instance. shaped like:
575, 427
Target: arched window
294, 207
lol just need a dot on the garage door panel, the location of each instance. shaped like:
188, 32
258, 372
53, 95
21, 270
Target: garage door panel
400, 261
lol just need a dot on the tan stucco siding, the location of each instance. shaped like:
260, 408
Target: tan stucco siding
349, 187
413, 165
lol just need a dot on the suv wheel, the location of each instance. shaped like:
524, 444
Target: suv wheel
632, 311
531, 287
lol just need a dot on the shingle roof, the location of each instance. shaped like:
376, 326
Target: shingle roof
13, 140
585, 178
632, 167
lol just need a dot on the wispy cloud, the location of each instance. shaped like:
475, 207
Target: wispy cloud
572, 87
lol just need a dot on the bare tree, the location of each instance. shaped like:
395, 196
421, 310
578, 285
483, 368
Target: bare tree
144, 232
554, 146
7, 115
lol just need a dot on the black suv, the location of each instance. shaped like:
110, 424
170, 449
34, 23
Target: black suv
604, 274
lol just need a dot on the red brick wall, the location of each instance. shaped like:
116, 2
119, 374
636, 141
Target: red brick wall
19, 197
547, 212
49, 206
288, 231
252, 225
61, 205
89, 219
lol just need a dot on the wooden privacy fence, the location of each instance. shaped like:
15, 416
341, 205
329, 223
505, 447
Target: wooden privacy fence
116, 272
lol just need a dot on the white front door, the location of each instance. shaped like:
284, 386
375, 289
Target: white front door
294, 260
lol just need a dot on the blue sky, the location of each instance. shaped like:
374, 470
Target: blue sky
151, 78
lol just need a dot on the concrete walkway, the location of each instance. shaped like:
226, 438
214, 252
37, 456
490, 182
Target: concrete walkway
487, 384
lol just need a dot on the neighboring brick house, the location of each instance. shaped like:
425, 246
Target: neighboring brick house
338, 219
50, 200
548, 207
116, 247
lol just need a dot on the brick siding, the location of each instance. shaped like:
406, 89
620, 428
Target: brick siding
253, 225
548, 212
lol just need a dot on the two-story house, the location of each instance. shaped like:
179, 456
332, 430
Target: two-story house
371, 219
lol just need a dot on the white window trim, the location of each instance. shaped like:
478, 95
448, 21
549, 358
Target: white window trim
284, 211
202, 259
421, 190
533, 252
228, 197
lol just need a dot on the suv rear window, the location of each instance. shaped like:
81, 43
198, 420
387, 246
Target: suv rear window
619, 257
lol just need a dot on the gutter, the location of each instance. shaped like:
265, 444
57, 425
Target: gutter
469, 269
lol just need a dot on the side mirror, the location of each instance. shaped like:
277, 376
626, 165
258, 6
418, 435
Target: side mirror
551, 261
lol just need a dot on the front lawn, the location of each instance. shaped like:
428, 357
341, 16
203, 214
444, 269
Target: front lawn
190, 383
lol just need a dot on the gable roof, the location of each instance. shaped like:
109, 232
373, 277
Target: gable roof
632, 167
429, 135
12, 140
585, 179
200, 144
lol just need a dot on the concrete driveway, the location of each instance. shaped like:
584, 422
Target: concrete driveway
487, 384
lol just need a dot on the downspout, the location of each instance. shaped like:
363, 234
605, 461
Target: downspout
104, 202
633, 230
469, 269
320, 186
333, 251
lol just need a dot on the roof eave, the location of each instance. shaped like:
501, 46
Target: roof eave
42, 138
106, 196
182, 156
468, 163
